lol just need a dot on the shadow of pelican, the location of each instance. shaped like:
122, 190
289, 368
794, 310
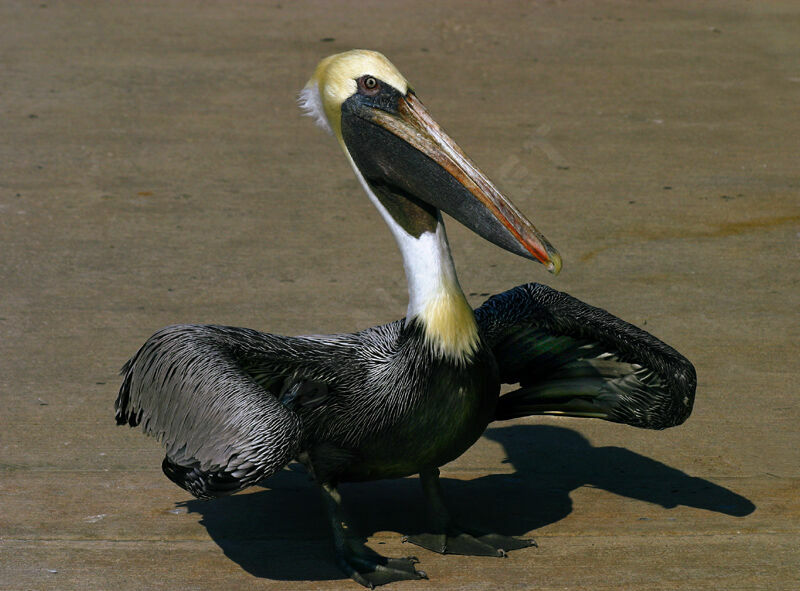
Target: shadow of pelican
281, 532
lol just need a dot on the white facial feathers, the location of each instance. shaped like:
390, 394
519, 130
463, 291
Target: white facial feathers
310, 102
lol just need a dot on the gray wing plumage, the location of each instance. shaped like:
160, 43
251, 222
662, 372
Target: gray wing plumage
211, 394
573, 359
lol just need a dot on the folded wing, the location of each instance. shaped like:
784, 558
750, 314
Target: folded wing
572, 359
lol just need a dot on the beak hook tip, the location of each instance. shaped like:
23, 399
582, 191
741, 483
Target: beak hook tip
554, 265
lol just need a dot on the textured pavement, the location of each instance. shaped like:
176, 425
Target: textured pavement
154, 169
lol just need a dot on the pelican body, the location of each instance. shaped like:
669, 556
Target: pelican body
233, 406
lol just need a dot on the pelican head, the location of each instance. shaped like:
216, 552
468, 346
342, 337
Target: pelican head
407, 163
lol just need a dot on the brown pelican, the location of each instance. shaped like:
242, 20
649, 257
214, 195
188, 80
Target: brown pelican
233, 405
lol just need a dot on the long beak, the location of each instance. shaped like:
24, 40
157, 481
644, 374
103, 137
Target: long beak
482, 208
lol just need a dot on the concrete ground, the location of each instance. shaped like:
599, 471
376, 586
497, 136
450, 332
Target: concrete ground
154, 169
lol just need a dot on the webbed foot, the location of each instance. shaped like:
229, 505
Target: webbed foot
458, 541
449, 538
370, 569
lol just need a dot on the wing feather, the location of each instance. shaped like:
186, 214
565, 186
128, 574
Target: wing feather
210, 395
573, 359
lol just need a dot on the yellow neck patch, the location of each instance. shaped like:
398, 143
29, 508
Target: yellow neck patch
449, 325
335, 81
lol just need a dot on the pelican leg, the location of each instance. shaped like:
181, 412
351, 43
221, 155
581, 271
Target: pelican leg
448, 538
363, 565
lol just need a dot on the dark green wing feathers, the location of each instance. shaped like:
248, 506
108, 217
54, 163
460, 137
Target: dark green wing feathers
573, 359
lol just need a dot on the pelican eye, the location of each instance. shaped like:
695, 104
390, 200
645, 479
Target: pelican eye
369, 85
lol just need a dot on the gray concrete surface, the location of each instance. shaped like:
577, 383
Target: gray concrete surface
154, 169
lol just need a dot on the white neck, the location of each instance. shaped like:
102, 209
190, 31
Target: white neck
435, 297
